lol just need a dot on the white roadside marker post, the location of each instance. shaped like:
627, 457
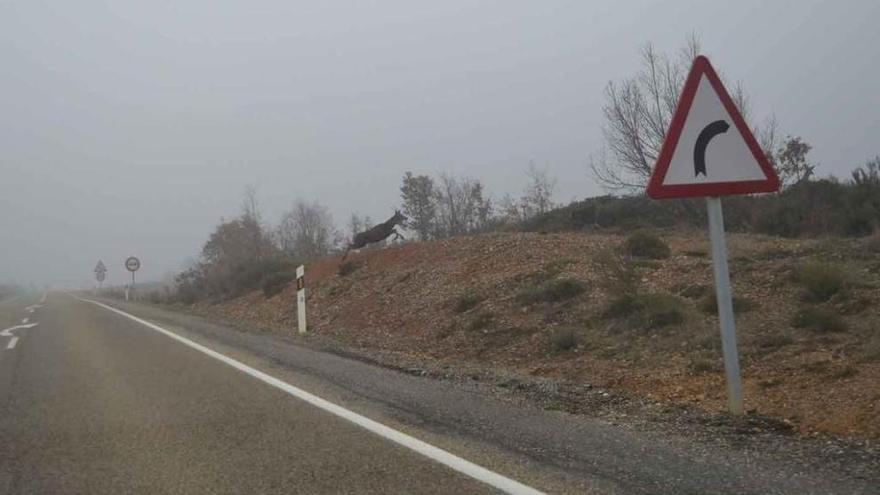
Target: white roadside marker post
709, 151
301, 299
725, 305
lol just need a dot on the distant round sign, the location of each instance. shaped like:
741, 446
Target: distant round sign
132, 264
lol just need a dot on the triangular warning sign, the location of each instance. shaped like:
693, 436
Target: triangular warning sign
709, 150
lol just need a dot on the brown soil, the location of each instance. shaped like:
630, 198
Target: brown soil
413, 299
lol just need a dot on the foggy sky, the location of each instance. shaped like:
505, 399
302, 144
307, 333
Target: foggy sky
133, 127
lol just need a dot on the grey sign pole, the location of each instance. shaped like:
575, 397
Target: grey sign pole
132, 264
725, 305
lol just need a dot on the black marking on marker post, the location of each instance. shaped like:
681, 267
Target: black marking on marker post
706, 135
300, 283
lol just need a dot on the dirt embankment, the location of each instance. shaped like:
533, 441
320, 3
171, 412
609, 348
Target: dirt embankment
539, 305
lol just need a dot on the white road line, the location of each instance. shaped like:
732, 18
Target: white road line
437, 454
12, 338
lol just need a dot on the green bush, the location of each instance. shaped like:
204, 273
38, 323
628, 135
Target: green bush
662, 310
822, 281
274, 283
774, 341
845, 372
249, 276
617, 275
548, 272
563, 339
696, 253
819, 320
694, 291
702, 366
553, 291
466, 301
654, 310
622, 307
645, 245
347, 268
483, 320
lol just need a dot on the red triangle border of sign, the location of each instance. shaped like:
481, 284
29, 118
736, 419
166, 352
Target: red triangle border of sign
657, 190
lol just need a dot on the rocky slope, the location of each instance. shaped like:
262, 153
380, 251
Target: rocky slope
556, 305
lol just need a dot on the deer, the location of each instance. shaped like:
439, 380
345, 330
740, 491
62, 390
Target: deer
378, 233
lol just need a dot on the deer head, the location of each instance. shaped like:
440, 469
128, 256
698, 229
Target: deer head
398, 217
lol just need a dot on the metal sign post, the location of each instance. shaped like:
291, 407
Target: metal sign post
725, 305
100, 273
132, 264
709, 151
301, 299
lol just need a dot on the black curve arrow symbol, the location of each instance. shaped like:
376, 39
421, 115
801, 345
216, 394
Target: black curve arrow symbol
706, 135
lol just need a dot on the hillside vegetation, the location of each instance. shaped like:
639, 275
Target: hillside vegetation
826, 207
632, 312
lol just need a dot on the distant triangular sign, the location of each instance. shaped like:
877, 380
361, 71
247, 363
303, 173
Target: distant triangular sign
709, 149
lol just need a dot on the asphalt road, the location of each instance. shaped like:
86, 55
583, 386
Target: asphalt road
93, 400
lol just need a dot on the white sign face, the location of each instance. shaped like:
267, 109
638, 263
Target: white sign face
132, 264
728, 159
709, 149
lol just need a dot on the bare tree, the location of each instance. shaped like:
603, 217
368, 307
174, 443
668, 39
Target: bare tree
461, 206
868, 174
306, 231
417, 193
538, 195
791, 161
251, 221
229, 247
510, 210
637, 113
250, 205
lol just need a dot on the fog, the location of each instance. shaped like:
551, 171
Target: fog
131, 128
